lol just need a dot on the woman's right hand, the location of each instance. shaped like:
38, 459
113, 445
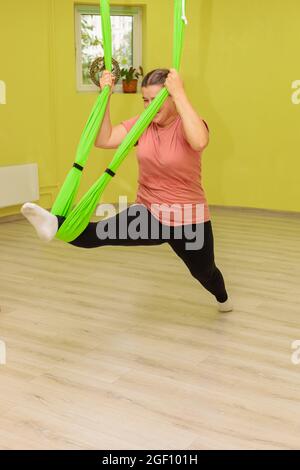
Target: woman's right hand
107, 78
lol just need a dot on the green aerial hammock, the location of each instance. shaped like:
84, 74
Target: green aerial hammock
78, 218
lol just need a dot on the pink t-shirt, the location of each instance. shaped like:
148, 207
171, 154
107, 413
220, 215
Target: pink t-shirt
169, 182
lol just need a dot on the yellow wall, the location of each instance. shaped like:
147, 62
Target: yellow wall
27, 120
249, 59
240, 59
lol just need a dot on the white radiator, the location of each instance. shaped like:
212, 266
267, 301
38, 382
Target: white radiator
18, 184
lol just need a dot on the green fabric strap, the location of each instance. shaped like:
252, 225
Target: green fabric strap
77, 218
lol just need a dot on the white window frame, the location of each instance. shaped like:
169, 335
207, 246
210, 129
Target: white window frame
135, 12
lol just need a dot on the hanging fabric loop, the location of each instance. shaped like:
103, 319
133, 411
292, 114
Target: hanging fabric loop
183, 16
77, 218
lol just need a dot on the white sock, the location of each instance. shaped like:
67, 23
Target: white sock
45, 223
225, 306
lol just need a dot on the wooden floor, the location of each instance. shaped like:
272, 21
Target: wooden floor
120, 348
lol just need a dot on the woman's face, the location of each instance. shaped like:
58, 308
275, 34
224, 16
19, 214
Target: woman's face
168, 109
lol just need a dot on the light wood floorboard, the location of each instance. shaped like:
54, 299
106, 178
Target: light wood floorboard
120, 348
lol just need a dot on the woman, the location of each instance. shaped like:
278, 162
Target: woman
169, 155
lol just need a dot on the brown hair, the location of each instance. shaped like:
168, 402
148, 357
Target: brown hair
155, 77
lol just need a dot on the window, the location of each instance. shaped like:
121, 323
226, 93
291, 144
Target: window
126, 27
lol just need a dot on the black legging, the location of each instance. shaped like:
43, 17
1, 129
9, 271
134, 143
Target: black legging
200, 262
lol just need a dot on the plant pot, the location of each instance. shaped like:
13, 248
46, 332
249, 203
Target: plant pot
130, 87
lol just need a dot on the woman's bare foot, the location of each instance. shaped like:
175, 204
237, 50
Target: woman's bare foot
45, 223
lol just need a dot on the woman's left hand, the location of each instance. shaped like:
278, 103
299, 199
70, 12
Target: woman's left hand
174, 83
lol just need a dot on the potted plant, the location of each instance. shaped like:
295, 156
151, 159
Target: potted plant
130, 79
